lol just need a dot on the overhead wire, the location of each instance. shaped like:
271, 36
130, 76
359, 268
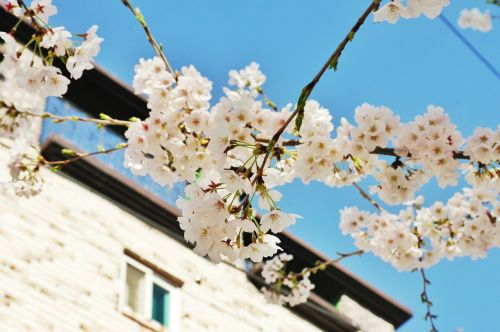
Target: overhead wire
471, 47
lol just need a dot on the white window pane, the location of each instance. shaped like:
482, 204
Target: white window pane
136, 289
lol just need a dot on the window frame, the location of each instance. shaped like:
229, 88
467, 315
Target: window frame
150, 278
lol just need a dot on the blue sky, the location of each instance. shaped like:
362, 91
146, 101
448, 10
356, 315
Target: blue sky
404, 66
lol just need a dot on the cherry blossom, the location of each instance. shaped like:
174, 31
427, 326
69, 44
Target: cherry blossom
286, 288
234, 153
430, 8
83, 55
391, 12
36, 74
24, 169
43, 9
57, 38
277, 221
419, 237
475, 20
250, 76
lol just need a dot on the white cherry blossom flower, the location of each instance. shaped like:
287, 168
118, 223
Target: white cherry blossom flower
277, 221
57, 38
234, 183
83, 55
259, 250
250, 76
391, 12
475, 20
43, 9
430, 8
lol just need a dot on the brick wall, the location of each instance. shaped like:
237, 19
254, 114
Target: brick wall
60, 264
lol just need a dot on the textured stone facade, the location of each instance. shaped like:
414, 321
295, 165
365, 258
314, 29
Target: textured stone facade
60, 265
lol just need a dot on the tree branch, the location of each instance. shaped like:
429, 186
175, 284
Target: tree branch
429, 316
378, 150
390, 152
365, 195
158, 49
77, 156
268, 101
105, 121
29, 12
323, 265
306, 91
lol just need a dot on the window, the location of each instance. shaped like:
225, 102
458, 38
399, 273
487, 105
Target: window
148, 296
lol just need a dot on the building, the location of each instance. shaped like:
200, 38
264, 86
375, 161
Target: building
101, 250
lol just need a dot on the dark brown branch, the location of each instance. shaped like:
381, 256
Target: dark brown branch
158, 49
29, 12
306, 91
290, 142
378, 150
365, 195
429, 316
390, 152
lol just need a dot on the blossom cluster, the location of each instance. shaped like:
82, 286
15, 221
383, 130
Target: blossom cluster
418, 237
426, 147
24, 170
217, 221
216, 151
222, 149
393, 10
285, 288
37, 74
13, 101
475, 20
15, 126
229, 155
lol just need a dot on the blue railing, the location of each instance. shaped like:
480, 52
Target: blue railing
87, 137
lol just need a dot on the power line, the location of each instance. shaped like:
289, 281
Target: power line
470, 46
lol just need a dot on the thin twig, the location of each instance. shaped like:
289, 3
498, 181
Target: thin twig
290, 142
378, 150
78, 156
101, 122
390, 152
306, 91
158, 49
365, 195
429, 316
29, 12
325, 264
268, 101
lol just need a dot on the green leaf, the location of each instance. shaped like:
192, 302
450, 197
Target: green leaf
104, 116
139, 16
301, 103
350, 36
68, 152
298, 122
100, 148
333, 65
